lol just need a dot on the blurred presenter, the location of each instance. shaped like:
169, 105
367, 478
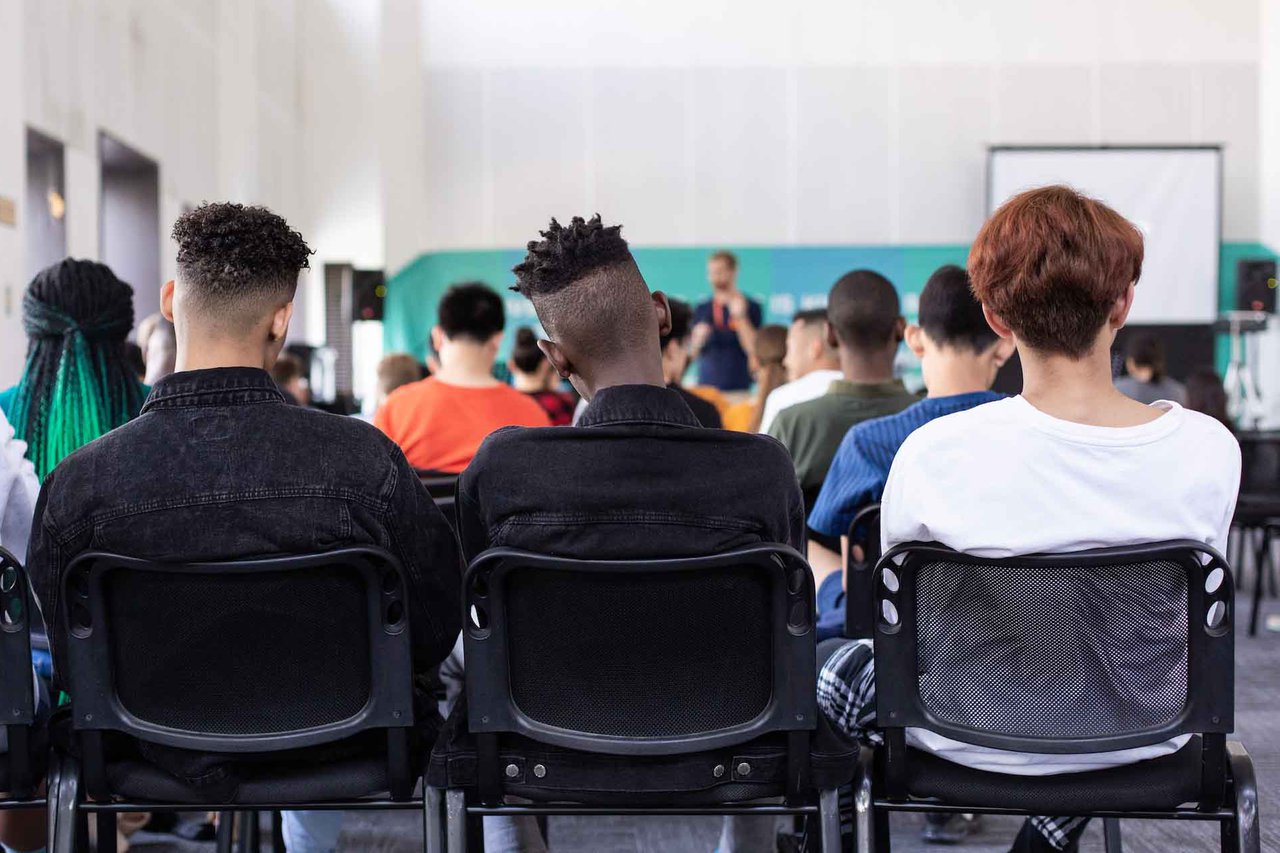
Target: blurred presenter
725, 328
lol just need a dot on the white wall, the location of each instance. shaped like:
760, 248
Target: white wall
833, 121
129, 239
1269, 110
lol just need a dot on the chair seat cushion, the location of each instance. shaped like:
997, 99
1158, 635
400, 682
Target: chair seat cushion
598, 779
1159, 784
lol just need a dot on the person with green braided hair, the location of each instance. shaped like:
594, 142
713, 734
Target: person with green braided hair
77, 384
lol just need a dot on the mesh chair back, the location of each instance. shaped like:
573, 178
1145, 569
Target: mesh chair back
1069, 653
247, 656
660, 656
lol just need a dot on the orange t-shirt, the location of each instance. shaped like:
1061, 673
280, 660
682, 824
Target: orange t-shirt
440, 426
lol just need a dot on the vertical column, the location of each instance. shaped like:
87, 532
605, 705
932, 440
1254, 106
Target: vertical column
12, 191
401, 128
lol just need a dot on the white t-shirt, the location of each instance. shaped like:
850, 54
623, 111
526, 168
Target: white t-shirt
18, 491
807, 387
1006, 479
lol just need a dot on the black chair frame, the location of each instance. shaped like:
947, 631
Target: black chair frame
17, 692
493, 711
859, 574
96, 707
1228, 791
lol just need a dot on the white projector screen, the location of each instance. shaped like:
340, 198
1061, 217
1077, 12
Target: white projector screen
1174, 195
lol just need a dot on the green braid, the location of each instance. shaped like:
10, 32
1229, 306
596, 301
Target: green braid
76, 385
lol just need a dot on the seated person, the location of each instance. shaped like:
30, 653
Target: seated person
218, 467
959, 356
811, 364
676, 356
769, 373
638, 477
396, 369
441, 420
532, 374
1145, 379
294, 387
1068, 465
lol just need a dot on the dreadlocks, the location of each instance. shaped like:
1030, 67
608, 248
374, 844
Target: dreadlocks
77, 384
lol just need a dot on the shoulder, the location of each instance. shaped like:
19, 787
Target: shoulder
1209, 437
972, 427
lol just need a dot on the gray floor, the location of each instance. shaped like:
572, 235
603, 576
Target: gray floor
1257, 725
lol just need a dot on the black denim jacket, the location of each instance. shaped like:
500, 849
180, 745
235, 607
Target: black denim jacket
218, 467
638, 477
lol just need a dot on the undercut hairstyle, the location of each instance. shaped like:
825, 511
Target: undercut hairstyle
1146, 350
729, 258
811, 317
471, 311
238, 261
864, 311
1051, 263
586, 288
525, 354
681, 323
78, 382
949, 313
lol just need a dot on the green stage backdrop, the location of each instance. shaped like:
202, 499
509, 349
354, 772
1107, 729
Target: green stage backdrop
784, 278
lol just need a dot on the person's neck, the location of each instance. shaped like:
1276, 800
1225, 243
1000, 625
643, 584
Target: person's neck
647, 372
1080, 390
529, 383
209, 354
866, 368
958, 374
821, 364
467, 365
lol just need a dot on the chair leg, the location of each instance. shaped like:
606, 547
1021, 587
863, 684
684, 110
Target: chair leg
456, 821
1111, 840
277, 832
226, 832
1244, 785
106, 826
863, 808
1259, 569
62, 792
829, 820
433, 837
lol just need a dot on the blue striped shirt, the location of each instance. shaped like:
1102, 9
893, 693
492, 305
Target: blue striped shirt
861, 466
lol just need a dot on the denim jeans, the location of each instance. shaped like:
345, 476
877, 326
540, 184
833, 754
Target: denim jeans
312, 831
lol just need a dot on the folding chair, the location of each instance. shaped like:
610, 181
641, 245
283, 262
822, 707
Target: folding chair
23, 762
1078, 653
646, 687
248, 661
859, 573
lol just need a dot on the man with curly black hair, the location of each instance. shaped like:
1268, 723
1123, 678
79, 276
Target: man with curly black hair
218, 467
639, 477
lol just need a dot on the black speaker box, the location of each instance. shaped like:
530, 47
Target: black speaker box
1256, 285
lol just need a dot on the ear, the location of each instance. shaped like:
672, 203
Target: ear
899, 330
280, 321
997, 325
1001, 351
166, 300
662, 311
558, 358
437, 338
495, 342
832, 340
1121, 307
915, 340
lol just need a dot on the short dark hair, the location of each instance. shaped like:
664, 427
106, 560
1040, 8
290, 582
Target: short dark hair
1146, 350
525, 353
950, 314
585, 287
864, 310
681, 323
1052, 262
471, 311
810, 316
726, 256
287, 368
238, 257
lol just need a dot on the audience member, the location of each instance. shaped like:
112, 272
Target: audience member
767, 367
959, 356
812, 365
219, 468
287, 373
1069, 464
396, 369
724, 329
160, 349
137, 364
441, 420
865, 326
638, 469
1207, 395
532, 374
675, 343
77, 383
1145, 379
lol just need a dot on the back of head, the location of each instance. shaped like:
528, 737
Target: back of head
950, 314
588, 291
1146, 350
681, 323
1051, 263
1206, 394
771, 345
236, 265
525, 355
78, 383
287, 369
396, 369
864, 311
472, 312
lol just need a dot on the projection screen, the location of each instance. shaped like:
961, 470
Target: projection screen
1174, 195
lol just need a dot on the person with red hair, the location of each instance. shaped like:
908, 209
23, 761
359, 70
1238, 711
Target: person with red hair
1068, 465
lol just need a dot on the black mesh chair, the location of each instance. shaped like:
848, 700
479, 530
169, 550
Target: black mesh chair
1059, 654
246, 661
859, 573
443, 488
1258, 510
678, 686
23, 762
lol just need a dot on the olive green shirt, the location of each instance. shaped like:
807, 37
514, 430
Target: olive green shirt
813, 430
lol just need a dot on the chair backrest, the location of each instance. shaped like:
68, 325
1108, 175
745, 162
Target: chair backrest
248, 656
859, 573
637, 657
17, 692
1061, 653
1260, 464
443, 489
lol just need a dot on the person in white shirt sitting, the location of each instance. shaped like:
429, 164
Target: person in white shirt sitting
1070, 464
811, 363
